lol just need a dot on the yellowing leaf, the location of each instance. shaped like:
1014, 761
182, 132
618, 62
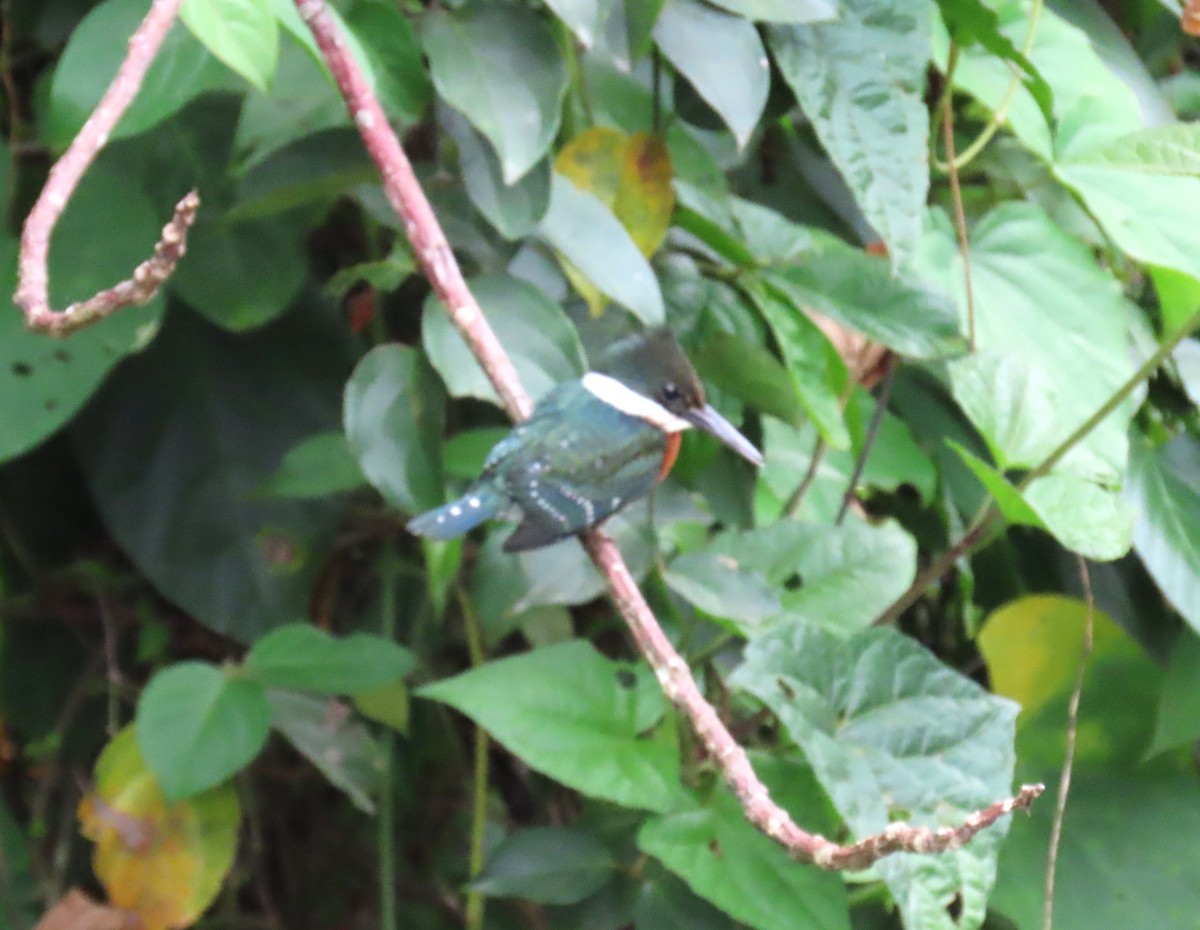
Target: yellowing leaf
163, 862
631, 174
593, 160
645, 198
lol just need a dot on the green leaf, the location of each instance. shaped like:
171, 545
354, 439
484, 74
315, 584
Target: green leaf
892, 734
19, 897
550, 865
811, 360
182, 70
859, 291
533, 329
513, 209
242, 33
1147, 211
726, 860
303, 658
1178, 720
1012, 403
1070, 60
197, 725
1172, 150
666, 903
1020, 264
1033, 646
1085, 517
320, 465
782, 11
718, 585
502, 69
394, 55
721, 56
45, 381
1133, 870
1164, 490
749, 372
240, 275
393, 419
1012, 505
861, 81
340, 747
566, 712
971, 21
587, 233
839, 577
188, 430
585, 18
301, 101
1082, 515
896, 462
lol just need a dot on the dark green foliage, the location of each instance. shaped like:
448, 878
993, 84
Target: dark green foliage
203, 500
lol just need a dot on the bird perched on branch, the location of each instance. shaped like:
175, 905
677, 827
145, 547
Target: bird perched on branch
590, 447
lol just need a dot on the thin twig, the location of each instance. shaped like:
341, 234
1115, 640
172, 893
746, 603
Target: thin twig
1064, 782
386, 838
1000, 114
479, 779
792, 507
33, 296
881, 405
960, 224
985, 520
438, 262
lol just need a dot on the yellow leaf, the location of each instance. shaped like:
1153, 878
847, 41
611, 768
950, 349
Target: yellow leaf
593, 161
1033, 646
645, 198
163, 862
631, 174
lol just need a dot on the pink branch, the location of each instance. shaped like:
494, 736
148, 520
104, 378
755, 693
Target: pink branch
32, 294
438, 263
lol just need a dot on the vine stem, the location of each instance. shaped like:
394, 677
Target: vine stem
1064, 782
479, 780
438, 262
388, 919
1000, 114
32, 294
978, 529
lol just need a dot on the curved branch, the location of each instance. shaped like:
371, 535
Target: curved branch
438, 263
32, 294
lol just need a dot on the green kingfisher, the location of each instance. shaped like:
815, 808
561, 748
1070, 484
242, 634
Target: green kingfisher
590, 447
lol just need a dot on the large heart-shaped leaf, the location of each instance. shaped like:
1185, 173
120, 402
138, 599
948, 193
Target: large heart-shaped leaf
186, 432
893, 734
566, 711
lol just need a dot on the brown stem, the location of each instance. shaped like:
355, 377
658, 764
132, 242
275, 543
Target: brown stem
32, 294
407, 198
438, 262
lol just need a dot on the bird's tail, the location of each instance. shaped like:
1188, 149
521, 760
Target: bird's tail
458, 516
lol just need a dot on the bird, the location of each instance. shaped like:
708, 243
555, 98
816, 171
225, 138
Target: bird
591, 447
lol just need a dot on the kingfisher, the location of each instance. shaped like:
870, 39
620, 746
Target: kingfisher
590, 447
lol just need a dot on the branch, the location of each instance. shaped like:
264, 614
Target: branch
32, 294
438, 263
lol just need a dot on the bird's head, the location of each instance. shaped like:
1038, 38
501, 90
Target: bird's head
648, 376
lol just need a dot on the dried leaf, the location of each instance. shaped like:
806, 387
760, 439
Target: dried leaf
164, 863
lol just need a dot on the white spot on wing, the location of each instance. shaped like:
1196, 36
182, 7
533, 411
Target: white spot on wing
456, 511
473, 502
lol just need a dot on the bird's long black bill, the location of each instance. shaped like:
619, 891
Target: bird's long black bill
707, 419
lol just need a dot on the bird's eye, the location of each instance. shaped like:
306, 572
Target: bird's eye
671, 391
